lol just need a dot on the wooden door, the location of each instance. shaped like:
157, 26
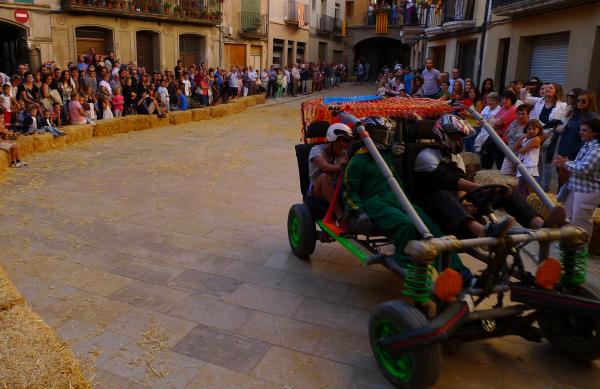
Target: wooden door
235, 55
145, 50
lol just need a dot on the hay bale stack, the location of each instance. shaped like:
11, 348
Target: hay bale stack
218, 111
9, 295
200, 114
594, 246
32, 356
487, 177
234, 107
25, 145
472, 164
4, 161
133, 123
179, 117
106, 127
251, 101
538, 206
145, 122
260, 99
162, 122
43, 142
78, 133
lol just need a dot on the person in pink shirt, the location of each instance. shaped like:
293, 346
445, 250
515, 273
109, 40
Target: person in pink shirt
76, 113
117, 103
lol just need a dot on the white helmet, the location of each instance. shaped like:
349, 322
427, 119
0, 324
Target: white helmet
339, 129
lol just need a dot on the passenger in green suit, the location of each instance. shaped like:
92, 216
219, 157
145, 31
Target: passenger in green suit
368, 193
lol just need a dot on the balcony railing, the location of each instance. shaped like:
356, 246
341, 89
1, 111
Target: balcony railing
452, 12
532, 7
402, 17
186, 11
296, 12
253, 23
325, 24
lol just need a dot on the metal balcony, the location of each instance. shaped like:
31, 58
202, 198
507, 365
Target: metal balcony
325, 24
296, 12
517, 8
400, 18
253, 25
202, 12
454, 15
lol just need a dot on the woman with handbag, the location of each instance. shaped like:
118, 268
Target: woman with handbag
583, 189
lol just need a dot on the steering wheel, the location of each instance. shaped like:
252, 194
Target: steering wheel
485, 194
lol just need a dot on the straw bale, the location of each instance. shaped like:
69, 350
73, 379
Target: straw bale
31, 355
200, 114
251, 101
219, 111
43, 142
9, 295
594, 246
78, 133
4, 161
145, 122
534, 201
132, 123
162, 122
60, 141
487, 177
108, 127
233, 107
179, 117
472, 164
260, 99
25, 145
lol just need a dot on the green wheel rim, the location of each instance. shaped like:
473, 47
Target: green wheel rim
400, 367
294, 231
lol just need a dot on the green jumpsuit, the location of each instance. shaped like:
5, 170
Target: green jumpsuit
366, 189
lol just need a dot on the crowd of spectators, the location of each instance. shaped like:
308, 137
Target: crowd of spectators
554, 134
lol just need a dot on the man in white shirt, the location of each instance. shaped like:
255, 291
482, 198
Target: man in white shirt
295, 80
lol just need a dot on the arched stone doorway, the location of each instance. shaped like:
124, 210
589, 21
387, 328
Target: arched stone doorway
13, 47
90, 37
381, 51
192, 49
148, 50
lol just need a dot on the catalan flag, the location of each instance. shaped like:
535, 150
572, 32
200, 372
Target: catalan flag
381, 23
344, 28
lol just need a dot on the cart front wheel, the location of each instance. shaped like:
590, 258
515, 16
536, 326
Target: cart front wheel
302, 233
576, 337
416, 369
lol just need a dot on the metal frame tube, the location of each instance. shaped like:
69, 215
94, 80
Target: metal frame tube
387, 173
512, 158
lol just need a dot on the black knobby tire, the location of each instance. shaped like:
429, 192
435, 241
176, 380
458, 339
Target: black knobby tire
302, 233
576, 337
413, 370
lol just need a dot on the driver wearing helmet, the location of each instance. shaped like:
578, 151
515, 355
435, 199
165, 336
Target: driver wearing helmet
440, 182
370, 200
326, 161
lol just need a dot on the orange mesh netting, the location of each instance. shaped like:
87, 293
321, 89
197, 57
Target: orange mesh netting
404, 107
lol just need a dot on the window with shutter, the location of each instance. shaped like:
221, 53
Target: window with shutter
549, 57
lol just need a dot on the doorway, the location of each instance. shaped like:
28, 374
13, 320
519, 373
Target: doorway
192, 49
13, 47
148, 50
378, 52
97, 38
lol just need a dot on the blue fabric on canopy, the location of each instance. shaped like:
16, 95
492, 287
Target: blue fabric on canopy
340, 100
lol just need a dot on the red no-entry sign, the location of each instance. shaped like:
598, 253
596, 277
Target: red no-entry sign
21, 15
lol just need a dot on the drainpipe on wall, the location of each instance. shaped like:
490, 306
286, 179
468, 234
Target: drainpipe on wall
484, 26
220, 28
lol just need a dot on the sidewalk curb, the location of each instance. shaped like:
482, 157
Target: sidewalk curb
301, 97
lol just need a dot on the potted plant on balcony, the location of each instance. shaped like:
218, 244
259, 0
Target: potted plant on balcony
167, 7
145, 6
177, 10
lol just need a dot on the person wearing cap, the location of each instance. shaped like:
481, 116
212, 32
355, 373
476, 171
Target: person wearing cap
325, 162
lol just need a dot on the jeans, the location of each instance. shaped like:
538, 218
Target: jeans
307, 87
204, 100
54, 131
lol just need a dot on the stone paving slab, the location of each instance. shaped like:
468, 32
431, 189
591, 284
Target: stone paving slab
181, 231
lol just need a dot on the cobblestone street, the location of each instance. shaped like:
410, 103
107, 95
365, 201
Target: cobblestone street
161, 256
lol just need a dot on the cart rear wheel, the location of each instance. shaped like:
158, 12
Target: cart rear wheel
576, 337
416, 369
302, 233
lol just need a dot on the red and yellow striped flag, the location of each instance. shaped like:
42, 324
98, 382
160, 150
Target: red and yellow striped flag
344, 28
381, 23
